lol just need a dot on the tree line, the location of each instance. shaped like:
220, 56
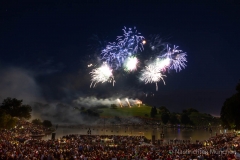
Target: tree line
188, 116
229, 115
12, 109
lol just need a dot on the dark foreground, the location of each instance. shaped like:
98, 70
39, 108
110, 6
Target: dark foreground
17, 143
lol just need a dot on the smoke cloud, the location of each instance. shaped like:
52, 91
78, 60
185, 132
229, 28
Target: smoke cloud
58, 113
93, 101
19, 83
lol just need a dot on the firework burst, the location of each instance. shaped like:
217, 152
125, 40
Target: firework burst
152, 74
101, 75
177, 57
126, 46
123, 54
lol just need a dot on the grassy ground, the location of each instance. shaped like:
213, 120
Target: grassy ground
142, 111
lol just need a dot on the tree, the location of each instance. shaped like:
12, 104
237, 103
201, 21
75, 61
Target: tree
185, 119
173, 119
37, 121
203, 119
165, 117
189, 111
7, 121
15, 108
153, 112
231, 110
113, 106
163, 109
47, 123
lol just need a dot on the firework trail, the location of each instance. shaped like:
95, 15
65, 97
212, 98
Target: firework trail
102, 74
119, 103
128, 103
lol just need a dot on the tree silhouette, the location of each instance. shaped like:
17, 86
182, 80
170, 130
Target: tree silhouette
47, 123
185, 119
37, 121
6, 121
165, 117
173, 119
15, 108
153, 112
230, 112
163, 109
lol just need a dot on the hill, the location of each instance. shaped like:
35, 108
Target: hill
136, 111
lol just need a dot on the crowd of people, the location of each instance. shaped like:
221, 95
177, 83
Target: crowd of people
105, 147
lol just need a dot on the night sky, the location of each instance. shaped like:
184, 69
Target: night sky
44, 51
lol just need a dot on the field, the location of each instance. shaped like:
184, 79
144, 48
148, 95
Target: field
142, 111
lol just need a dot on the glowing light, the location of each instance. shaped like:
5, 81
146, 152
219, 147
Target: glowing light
119, 103
102, 74
163, 64
138, 102
144, 42
128, 103
131, 63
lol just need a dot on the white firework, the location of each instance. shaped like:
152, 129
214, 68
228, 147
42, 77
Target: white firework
101, 75
119, 101
152, 74
131, 63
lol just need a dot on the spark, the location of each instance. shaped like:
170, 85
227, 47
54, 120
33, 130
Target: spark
177, 58
102, 74
138, 102
152, 74
128, 103
90, 65
119, 103
131, 63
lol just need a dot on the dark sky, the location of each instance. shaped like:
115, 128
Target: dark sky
44, 50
